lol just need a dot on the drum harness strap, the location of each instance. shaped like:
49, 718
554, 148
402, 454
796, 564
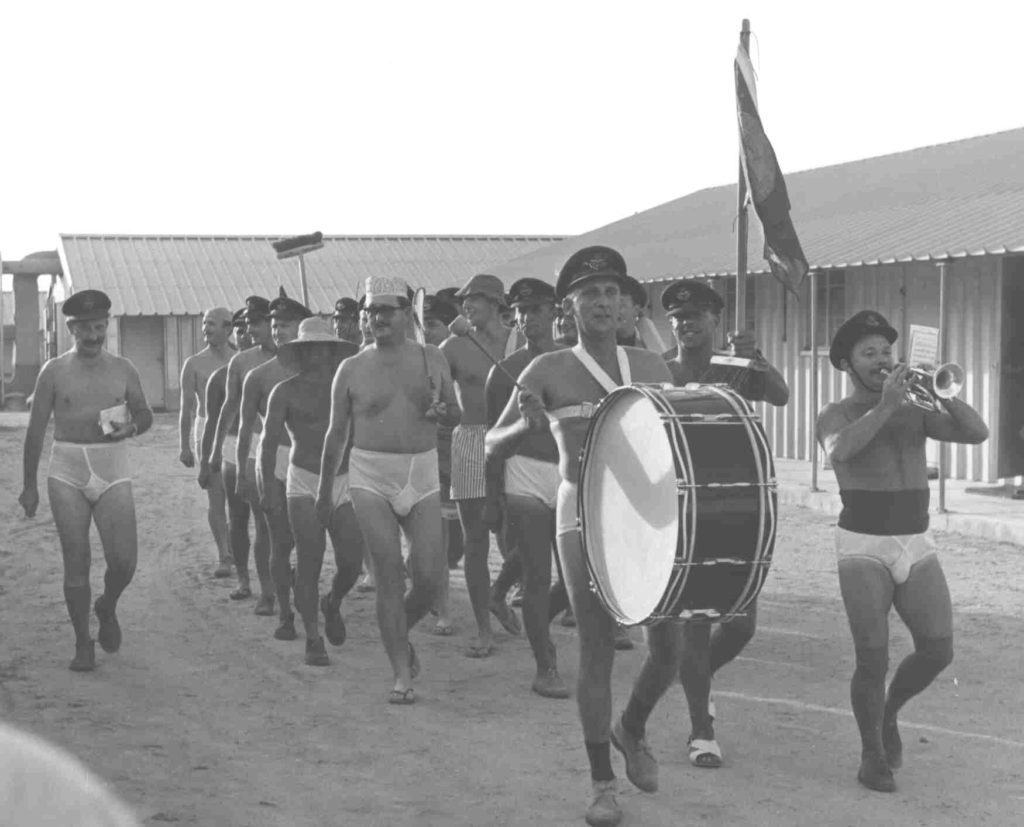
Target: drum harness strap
595, 370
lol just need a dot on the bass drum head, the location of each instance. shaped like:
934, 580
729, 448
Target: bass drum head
629, 506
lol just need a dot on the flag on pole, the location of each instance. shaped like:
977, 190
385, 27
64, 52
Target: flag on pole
765, 185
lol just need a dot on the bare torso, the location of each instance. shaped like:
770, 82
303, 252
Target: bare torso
561, 380
262, 380
894, 459
469, 368
81, 389
238, 368
500, 389
216, 391
389, 393
198, 369
306, 419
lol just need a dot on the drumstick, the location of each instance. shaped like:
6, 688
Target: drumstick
461, 327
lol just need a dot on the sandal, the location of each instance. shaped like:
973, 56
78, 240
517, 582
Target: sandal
402, 697
444, 629
705, 754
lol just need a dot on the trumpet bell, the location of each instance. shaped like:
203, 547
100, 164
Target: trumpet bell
948, 380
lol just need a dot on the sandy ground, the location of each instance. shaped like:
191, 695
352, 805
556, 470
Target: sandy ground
204, 718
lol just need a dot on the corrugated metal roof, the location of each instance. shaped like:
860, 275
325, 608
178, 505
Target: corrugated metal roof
958, 199
186, 275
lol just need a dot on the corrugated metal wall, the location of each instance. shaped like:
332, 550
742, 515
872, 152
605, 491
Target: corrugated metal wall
183, 337
905, 294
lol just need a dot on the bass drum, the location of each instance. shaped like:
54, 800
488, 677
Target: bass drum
677, 503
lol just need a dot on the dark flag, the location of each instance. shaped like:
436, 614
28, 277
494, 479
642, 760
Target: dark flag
765, 185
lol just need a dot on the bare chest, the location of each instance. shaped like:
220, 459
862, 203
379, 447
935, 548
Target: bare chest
379, 388
80, 394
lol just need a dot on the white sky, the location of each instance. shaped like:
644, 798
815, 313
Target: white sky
445, 117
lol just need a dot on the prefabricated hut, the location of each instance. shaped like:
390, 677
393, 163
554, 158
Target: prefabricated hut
874, 232
160, 285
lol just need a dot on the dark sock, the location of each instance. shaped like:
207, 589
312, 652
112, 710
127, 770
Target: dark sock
344, 579
558, 600
600, 761
115, 580
867, 696
635, 716
917, 670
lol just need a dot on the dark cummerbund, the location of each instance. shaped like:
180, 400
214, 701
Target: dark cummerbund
885, 512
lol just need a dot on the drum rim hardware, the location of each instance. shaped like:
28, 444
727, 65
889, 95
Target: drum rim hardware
682, 484
676, 426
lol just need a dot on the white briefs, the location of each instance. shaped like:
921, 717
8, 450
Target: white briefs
896, 552
303, 483
91, 468
536, 478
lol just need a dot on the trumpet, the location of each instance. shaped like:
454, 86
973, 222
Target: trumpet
928, 385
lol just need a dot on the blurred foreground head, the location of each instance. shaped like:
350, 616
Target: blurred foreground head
44, 786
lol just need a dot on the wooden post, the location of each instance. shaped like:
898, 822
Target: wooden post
813, 291
943, 447
741, 217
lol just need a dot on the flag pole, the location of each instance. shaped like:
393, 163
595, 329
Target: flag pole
943, 446
813, 291
741, 216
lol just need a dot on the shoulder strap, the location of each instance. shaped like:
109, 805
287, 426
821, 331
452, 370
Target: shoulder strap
599, 374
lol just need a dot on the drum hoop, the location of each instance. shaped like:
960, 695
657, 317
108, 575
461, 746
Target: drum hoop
687, 515
676, 581
611, 606
765, 468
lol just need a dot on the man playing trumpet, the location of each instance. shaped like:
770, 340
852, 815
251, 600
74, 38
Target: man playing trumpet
875, 439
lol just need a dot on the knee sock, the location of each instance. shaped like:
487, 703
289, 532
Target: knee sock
558, 600
344, 579
116, 580
600, 760
239, 541
917, 671
634, 717
727, 641
77, 599
867, 696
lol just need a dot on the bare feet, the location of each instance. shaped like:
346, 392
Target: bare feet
85, 657
893, 743
478, 648
109, 634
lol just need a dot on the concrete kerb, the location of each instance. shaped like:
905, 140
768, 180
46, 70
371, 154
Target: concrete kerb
975, 515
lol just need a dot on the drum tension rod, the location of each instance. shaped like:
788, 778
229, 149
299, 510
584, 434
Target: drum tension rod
710, 418
722, 561
682, 485
690, 614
